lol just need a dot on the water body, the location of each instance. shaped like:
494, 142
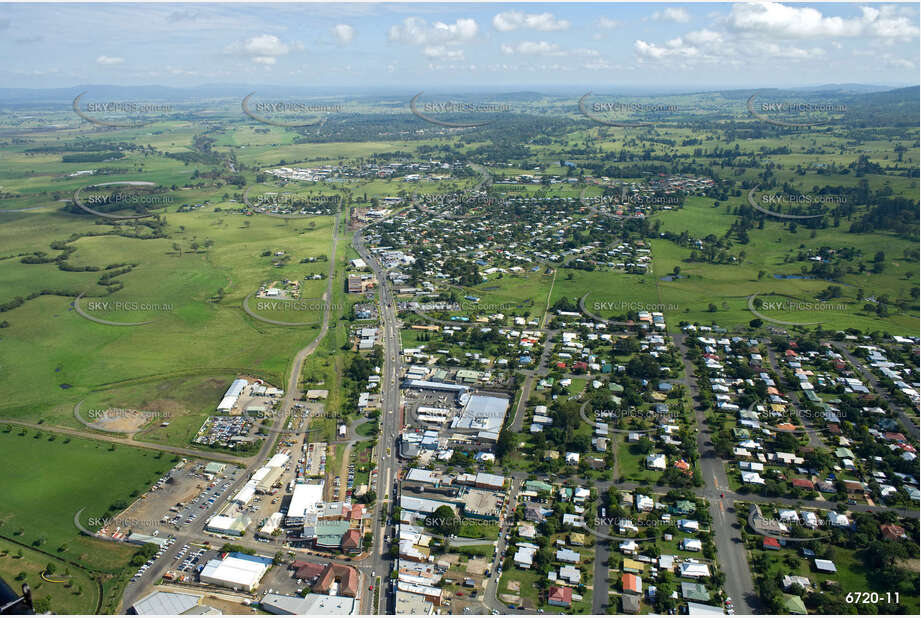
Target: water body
810, 277
672, 277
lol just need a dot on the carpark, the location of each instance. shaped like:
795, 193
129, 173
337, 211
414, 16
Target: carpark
186, 495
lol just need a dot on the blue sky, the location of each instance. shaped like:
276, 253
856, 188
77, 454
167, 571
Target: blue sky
502, 45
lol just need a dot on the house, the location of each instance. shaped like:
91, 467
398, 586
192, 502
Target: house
644, 503
693, 570
794, 604
688, 544
631, 603
567, 555
825, 566
694, 592
688, 525
892, 532
524, 556
770, 543
683, 507
571, 574
656, 461
559, 596
633, 566
803, 484
632, 584
795, 580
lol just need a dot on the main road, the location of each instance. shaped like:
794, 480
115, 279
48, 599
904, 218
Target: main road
388, 465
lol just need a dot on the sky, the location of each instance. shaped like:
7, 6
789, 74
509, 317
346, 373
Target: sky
440, 45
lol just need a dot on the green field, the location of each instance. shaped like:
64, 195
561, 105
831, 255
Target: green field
49, 478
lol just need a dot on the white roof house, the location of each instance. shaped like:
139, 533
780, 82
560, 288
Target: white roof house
694, 569
656, 461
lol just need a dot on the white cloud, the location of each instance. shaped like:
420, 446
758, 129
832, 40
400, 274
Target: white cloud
608, 23
343, 33
417, 31
544, 48
515, 20
264, 49
109, 60
677, 15
766, 31
789, 22
531, 48
442, 52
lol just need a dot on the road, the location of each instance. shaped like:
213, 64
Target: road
194, 533
868, 376
739, 584
388, 466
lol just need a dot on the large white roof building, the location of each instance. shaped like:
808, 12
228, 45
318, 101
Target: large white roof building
237, 571
304, 500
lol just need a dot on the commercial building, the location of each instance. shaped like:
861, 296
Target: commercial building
230, 397
236, 571
162, 603
482, 413
321, 604
305, 499
231, 526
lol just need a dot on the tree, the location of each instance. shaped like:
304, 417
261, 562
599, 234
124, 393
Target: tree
445, 521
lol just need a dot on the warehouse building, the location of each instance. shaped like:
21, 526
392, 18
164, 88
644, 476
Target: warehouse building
231, 526
266, 484
236, 571
305, 499
320, 604
230, 397
482, 413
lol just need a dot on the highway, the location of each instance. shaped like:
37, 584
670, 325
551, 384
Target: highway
388, 466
